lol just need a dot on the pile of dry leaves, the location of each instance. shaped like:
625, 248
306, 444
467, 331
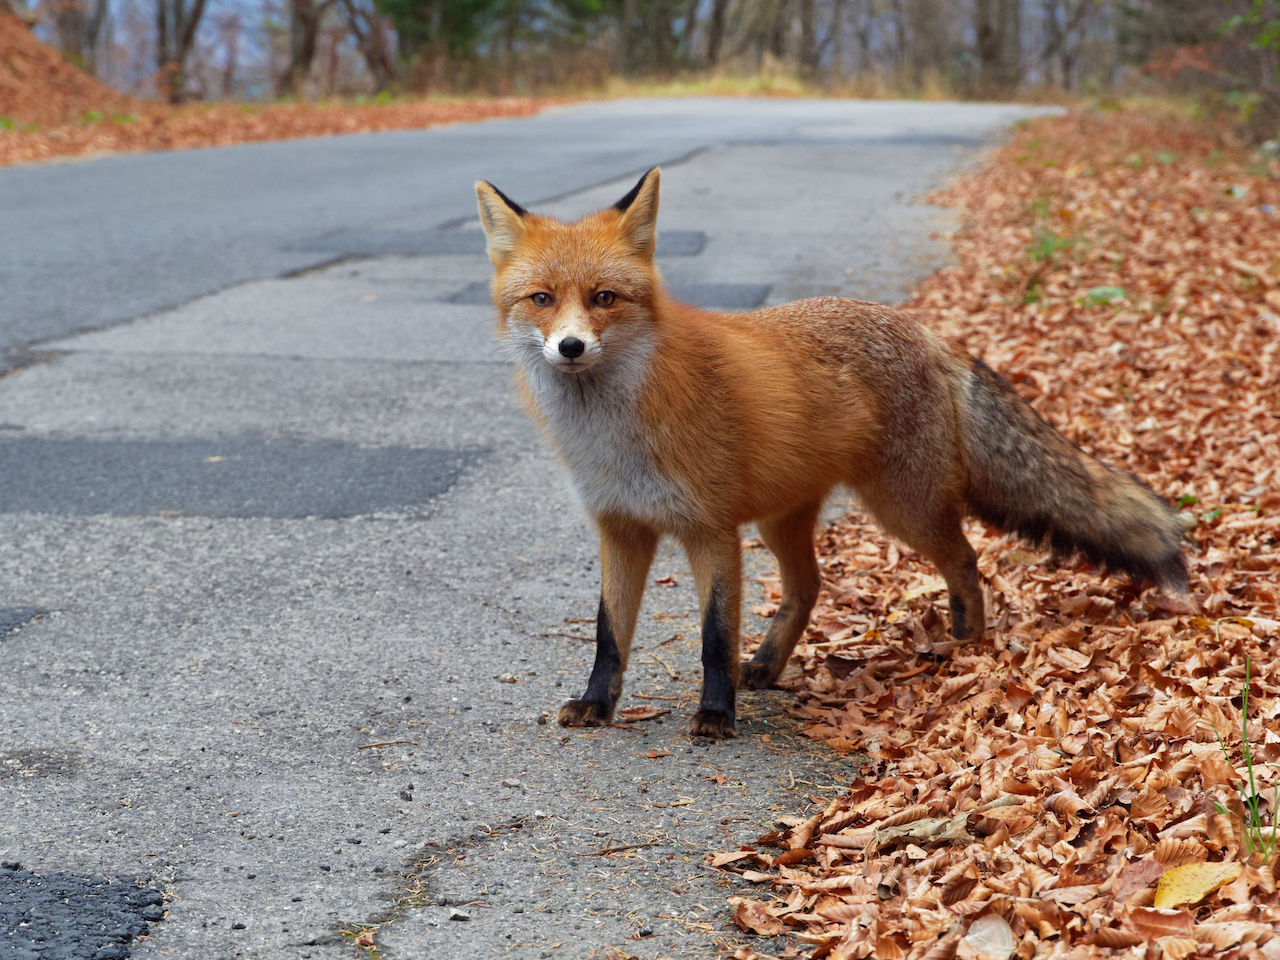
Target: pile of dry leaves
1072, 785
38, 86
50, 109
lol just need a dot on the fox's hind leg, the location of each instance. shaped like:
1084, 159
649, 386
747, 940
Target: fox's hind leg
932, 526
626, 551
790, 537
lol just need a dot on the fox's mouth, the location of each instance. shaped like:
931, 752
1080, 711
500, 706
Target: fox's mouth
573, 367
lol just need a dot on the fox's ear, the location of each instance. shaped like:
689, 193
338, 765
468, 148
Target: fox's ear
502, 219
639, 209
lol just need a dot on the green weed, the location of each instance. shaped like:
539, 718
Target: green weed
1047, 246
1104, 296
1255, 834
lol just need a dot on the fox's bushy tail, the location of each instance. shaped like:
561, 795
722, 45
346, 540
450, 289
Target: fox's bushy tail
1026, 478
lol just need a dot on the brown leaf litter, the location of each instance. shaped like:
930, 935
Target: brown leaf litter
50, 109
1030, 794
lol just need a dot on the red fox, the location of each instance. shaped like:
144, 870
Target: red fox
685, 422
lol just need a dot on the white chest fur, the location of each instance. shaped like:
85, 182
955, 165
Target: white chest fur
594, 421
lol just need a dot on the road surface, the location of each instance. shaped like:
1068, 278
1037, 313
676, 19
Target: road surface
288, 585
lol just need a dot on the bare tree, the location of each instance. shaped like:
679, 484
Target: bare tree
229, 32
807, 53
779, 28
1066, 24
365, 23
864, 25
305, 17
998, 32
715, 31
837, 38
176, 24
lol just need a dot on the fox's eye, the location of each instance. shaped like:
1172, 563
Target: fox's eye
542, 299
605, 298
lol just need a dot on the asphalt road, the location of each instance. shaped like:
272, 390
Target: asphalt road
288, 586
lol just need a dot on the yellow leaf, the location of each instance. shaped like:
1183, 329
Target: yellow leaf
1193, 882
929, 587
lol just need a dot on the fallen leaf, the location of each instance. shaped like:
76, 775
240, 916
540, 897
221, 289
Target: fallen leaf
1152, 923
1193, 882
644, 712
1050, 774
752, 917
990, 936
1136, 876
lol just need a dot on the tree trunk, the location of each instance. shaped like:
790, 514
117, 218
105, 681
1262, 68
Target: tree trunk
715, 31
365, 24
627, 38
305, 17
998, 45
837, 39
780, 28
230, 30
510, 24
176, 25
808, 53
690, 17
69, 16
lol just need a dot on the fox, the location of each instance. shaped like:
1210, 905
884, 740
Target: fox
687, 423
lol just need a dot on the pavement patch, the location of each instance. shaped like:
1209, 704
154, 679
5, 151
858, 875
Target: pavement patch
11, 618
222, 478
30, 764
65, 916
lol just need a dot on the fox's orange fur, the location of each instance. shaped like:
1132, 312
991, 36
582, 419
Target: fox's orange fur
689, 423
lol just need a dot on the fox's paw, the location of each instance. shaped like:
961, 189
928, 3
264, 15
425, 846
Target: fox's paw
756, 676
585, 713
710, 723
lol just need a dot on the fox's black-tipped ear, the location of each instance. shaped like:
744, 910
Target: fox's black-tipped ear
639, 210
502, 219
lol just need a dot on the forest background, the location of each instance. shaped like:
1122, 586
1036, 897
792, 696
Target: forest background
1225, 51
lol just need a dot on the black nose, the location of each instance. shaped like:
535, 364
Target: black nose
572, 347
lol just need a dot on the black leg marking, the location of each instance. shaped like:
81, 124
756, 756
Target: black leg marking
715, 716
606, 676
603, 689
957, 617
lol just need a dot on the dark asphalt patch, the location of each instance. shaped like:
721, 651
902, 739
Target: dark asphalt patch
455, 242
30, 764
64, 916
716, 296
221, 478
11, 618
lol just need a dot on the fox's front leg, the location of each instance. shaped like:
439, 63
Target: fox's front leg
716, 559
626, 551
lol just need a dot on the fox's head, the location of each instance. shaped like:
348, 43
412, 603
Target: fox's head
573, 294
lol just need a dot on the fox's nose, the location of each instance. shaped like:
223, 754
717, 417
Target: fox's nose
572, 347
